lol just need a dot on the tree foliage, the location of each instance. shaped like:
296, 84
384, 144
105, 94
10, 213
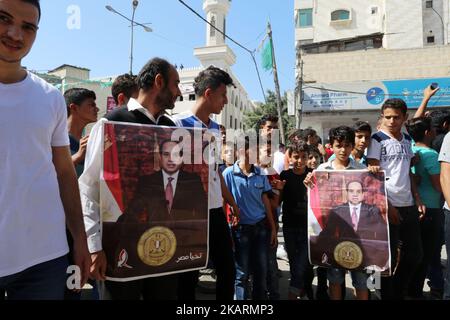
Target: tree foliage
270, 107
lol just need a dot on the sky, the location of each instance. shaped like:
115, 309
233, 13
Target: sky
101, 42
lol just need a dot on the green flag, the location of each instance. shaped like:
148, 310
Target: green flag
266, 55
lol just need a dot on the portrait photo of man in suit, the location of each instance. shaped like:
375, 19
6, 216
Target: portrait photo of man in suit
170, 194
358, 222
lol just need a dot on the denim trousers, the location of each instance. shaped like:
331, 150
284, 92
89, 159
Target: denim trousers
447, 248
251, 246
44, 281
296, 243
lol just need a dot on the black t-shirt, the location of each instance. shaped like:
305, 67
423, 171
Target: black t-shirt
295, 199
122, 114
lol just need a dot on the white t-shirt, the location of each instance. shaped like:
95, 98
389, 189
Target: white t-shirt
33, 119
278, 161
444, 156
395, 158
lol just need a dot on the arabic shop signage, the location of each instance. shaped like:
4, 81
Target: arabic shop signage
370, 95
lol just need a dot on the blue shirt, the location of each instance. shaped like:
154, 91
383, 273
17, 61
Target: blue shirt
363, 159
189, 120
247, 191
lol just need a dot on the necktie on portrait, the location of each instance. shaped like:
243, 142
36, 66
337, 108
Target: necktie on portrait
169, 194
354, 219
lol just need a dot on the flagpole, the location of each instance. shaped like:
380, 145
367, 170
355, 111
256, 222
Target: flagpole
277, 85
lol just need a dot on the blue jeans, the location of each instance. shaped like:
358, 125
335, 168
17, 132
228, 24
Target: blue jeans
251, 245
296, 244
435, 272
44, 281
272, 274
430, 227
447, 248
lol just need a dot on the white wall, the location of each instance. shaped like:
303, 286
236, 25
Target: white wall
432, 22
404, 28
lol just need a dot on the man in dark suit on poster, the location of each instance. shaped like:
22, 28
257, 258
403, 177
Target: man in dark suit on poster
170, 194
358, 222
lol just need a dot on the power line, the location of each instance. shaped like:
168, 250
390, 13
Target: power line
252, 53
365, 93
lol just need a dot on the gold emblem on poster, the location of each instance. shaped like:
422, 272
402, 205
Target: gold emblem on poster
348, 255
157, 246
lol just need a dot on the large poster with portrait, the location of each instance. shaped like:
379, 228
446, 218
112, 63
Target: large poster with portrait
347, 220
153, 201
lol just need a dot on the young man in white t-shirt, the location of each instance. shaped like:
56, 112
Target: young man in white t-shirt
211, 97
391, 150
38, 189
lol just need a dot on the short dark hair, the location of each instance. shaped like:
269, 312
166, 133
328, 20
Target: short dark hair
77, 96
309, 132
36, 4
439, 118
354, 180
125, 84
362, 126
314, 149
300, 146
148, 73
342, 134
267, 117
417, 126
212, 77
395, 103
296, 133
244, 140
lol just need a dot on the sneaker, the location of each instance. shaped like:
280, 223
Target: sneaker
281, 253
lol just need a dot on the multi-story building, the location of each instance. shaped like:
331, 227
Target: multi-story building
356, 54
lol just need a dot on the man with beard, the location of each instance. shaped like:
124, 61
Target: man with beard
158, 90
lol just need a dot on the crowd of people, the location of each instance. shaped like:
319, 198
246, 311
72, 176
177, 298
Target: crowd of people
51, 170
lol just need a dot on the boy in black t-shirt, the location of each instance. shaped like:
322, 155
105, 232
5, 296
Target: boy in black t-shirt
295, 203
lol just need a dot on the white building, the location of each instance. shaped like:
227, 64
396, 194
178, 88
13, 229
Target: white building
366, 51
68, 76
217, 53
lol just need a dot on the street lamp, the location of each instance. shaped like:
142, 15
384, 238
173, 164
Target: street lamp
443, 25
135, 4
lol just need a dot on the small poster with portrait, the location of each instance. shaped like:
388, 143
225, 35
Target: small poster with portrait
153, 201
347, 221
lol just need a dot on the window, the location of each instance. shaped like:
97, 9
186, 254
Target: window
429, 4
340, 15
231, 121
224, 28
212, 31
374, 10
192, 97
304, 18
430, 39
180, 98
235, 123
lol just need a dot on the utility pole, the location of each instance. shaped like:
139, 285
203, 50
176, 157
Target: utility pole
277, 85
299, 93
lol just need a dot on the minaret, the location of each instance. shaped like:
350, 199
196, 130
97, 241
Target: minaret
216, 52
